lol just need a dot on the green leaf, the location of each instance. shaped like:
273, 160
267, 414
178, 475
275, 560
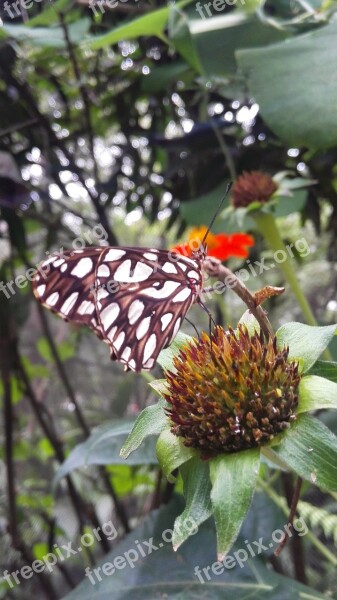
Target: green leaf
287, 205
216, 39
151, 421
103, 448
325, 369
159, 386
50, 14
290, 79
306, 343
52, 37
316, 393
233, 478
200, 210
152, 23
251, 323
197, 494
165, 358
162, 573
171, 453
180, 36
310, 449
160, 77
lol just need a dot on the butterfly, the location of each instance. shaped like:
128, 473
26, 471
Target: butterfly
134, 299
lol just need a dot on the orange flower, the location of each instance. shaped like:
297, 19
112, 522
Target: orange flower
220, 245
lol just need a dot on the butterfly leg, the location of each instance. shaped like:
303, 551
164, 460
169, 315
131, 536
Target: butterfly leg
194, 327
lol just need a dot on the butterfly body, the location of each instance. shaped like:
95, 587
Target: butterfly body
134, 299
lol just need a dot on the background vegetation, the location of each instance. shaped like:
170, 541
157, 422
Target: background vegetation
134, 117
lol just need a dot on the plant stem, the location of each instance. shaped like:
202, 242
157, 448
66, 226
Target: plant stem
268, 228
280, 502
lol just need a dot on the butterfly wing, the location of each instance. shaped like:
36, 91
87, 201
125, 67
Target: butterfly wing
142, 296
65, 284
133, 298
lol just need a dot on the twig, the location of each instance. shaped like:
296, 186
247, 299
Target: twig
216, 269
46, 424
86, 105
28, 97
293, 507
292, 495
7, 341
120, 511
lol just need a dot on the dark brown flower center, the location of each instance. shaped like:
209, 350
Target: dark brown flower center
232, 394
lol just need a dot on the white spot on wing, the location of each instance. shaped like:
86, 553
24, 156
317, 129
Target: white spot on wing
86, 308
122, 272
103, 271
149, 364
114, 254
83, 267
190, 261
150, 256
143, 328
194, 275
182, 266
176, 329
109, 315
135, 311
101, 293
52, 299
183, 295
132, 364
49, 260
41, 290
59, 262
150, 347
168, 288
69, 303
141, 272
112, 333
166, 320
64, 268
119, 340
126, 353
169, 267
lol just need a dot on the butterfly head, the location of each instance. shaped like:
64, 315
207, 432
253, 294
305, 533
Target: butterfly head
200, 253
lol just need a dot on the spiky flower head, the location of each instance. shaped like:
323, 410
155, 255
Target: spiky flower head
254, 186
231, 392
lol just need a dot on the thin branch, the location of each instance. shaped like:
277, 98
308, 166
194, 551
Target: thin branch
26, 94
293, 507
9, 421
40, 412
216, 269
120, 511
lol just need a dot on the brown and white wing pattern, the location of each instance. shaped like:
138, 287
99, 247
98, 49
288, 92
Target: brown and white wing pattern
65, 284
135, 299
142, 297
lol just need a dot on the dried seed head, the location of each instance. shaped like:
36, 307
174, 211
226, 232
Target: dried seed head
252, 187
231, 392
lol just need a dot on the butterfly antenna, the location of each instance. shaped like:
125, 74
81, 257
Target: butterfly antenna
229, 185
